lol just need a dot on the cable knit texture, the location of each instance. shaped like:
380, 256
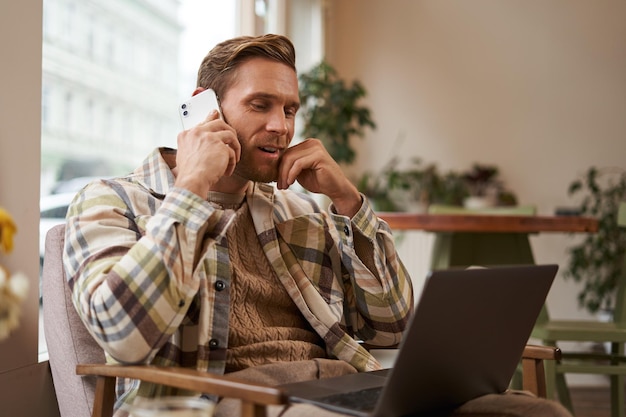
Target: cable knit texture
264, 325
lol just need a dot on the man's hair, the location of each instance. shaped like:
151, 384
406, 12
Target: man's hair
218, 68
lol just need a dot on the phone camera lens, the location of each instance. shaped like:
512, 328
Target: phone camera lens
185, 113
184, 106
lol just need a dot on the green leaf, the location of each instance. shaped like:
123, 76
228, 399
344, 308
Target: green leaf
332, 112
598, 259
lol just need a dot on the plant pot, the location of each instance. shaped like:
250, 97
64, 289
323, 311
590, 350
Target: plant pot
478, 202
405, 201
418, 207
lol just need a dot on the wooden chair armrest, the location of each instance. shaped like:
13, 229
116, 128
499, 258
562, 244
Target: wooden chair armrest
533, 371
254, 397
542, 352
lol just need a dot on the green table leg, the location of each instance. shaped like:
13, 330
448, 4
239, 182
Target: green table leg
483, 249
473, 249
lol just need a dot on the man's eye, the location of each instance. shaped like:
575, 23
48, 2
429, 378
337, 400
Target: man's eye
259, 106
290, 113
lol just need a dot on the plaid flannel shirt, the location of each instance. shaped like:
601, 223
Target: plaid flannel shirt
148, 266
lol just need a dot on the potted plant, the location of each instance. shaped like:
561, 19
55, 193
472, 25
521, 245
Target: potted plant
375, 188
452, 190
485, 188
412, 188
332, 112
596, 262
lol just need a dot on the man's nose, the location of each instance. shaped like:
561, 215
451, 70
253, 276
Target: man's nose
277, 123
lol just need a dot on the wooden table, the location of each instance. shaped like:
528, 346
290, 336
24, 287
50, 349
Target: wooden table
462, 240
485, 239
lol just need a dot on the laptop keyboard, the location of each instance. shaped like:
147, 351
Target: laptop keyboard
362, 400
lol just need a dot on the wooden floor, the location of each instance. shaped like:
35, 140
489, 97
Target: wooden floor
591, 402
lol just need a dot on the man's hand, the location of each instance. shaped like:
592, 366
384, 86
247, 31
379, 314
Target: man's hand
310, 164
205, 154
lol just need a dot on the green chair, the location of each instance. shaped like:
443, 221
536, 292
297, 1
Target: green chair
612, 364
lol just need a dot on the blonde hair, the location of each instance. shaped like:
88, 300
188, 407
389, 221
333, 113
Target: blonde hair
218, 67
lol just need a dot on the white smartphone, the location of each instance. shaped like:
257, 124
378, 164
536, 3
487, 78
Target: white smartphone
197, 108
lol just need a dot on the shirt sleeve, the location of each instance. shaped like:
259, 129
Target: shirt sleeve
379, 292
131, 261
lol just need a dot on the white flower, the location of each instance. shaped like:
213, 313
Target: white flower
13, 290
18, 285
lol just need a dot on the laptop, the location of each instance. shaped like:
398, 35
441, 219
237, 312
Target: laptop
464, 340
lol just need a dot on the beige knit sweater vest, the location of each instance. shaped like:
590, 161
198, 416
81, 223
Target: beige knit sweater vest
264, 324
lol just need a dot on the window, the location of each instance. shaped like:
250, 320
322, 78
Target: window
261, 16
113, 74
111, 81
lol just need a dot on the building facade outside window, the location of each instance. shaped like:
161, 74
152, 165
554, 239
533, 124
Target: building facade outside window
110, 69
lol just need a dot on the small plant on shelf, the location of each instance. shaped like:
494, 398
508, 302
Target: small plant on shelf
485, 187
411, 188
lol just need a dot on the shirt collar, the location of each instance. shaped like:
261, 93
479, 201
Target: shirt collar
155, 173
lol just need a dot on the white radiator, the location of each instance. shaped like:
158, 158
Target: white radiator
415, 248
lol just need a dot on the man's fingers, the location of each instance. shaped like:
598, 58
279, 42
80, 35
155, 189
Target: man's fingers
213, 115
295, 162
233, 158
232, 142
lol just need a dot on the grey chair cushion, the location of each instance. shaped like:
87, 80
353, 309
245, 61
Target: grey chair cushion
68, 341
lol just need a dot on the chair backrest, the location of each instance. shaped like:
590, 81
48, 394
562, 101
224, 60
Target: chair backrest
68, 341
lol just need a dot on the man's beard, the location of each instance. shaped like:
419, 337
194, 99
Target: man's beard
247, 169
252, 173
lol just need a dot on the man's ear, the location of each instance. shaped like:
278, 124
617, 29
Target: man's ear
198, 90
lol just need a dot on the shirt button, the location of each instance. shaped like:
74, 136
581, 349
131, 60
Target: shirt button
220, 285
346, 230
181, 303
213, 343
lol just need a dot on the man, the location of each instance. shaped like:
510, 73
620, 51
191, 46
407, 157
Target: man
195, 260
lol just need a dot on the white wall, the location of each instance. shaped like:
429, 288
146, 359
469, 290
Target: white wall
22, 379
20, 101
537, 87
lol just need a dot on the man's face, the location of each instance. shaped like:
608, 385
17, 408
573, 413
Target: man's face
261, 106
